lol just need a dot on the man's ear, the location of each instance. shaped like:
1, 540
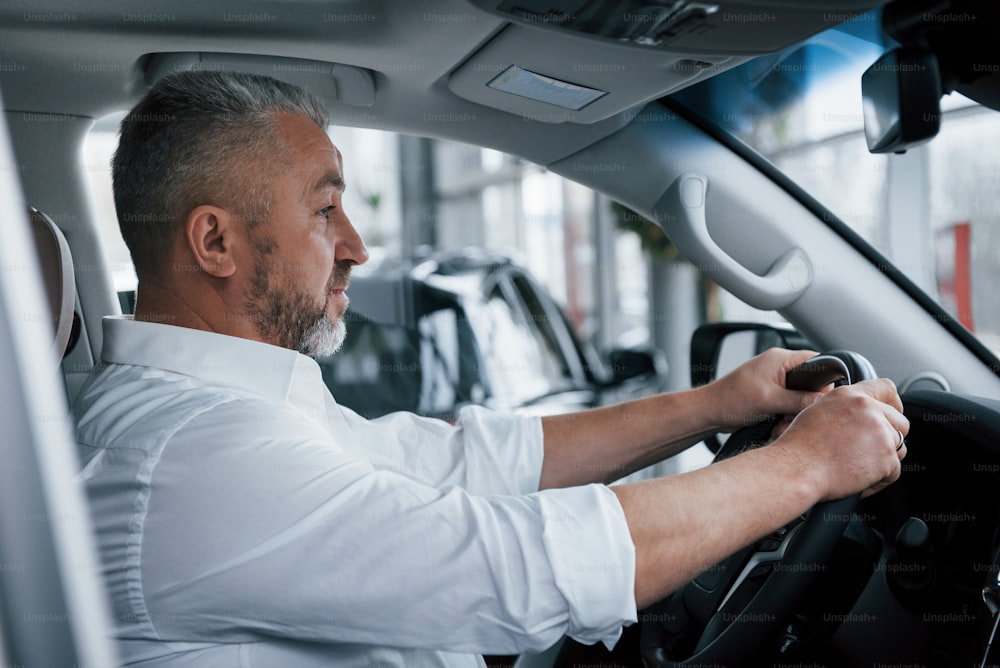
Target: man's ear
211, 234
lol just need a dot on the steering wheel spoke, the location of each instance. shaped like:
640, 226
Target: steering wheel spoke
759, 561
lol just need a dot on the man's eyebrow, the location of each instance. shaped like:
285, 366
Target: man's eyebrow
330, 180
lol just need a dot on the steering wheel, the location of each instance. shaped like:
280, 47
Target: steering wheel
730, 613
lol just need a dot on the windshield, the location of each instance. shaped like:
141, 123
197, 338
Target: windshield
931, 211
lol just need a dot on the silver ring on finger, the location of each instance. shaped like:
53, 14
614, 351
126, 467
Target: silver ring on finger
901, 441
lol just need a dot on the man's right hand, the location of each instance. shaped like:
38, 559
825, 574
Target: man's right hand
844, 443
847, 441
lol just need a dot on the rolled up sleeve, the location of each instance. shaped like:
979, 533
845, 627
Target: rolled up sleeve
484, 451
592, 557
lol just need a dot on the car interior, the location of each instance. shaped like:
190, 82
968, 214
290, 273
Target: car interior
604, 94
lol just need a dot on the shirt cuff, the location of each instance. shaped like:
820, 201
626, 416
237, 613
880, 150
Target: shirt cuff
592, 555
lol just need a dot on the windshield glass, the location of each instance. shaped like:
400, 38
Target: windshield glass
931, 211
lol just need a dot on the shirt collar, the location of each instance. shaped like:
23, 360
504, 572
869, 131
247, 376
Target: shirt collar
217, 359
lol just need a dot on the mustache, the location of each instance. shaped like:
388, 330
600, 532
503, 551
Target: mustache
340, 277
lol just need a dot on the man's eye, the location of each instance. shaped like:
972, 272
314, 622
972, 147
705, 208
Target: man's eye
325, 211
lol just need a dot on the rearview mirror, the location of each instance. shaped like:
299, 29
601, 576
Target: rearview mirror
901, 100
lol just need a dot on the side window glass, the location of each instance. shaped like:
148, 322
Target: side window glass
98, 147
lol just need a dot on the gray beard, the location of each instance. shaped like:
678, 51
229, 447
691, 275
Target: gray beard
322, 339
292, 319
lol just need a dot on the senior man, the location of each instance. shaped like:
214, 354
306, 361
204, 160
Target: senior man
245, 518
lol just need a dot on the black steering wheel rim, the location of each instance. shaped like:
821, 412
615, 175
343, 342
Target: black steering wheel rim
737, 638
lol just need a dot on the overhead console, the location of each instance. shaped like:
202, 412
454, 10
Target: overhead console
543, 66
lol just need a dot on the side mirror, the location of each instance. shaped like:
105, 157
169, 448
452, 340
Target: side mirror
628, 363
901, 100
718, 348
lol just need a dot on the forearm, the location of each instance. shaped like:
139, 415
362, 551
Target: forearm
604, 444
683, 524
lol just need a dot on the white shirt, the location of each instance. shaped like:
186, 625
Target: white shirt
244, 518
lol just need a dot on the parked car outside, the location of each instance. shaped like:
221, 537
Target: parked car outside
469, 327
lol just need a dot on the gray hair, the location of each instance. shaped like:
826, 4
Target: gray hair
199, 138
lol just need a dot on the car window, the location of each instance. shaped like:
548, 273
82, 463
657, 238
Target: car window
802, 110
481, 198
535, 337
98, 147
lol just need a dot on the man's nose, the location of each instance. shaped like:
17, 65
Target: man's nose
350, 247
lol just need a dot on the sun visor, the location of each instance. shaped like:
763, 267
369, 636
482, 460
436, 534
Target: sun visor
333, 82
557, 80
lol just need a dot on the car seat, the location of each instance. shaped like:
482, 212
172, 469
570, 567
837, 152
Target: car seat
56, 263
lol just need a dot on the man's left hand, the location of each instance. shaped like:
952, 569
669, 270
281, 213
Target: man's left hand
756, 390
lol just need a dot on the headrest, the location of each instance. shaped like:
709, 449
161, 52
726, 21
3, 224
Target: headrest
60, 280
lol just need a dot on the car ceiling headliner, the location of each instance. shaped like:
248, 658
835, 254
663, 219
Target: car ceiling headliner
47, 46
